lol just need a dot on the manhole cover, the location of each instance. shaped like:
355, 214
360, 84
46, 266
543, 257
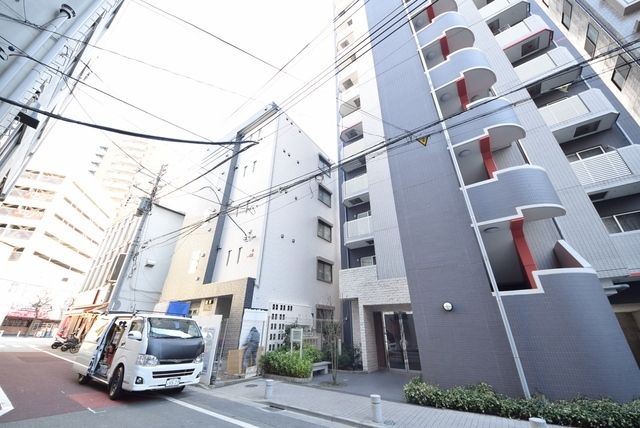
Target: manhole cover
251, 385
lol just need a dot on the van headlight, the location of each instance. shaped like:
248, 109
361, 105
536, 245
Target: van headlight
198, 359
146, 360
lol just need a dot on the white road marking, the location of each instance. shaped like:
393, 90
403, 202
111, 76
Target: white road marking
5, 404
94, 412
210, 413
57, 356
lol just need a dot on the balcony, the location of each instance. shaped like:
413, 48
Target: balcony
502, 14
448, 33
616, 172
526, 38
544, 70
358, 233
429, 13
356, 190
584, 114
464, 77
628, 245
489, 125
519, 192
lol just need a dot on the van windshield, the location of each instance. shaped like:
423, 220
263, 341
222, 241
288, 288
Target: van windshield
173, 328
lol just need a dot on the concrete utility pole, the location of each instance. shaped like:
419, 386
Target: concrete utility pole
144, 209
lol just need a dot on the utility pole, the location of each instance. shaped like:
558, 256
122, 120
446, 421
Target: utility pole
143, 211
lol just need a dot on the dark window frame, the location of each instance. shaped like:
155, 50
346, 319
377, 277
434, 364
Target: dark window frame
322, 275
566, 17
323, 226
589, 44
622, 69
324, 191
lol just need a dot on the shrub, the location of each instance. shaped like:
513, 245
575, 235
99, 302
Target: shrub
580, 412
312, 354
284, 363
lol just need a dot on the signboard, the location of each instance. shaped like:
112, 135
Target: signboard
210, 328
252, 337
296, 336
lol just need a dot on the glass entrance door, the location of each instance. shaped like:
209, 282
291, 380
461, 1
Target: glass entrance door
400, 341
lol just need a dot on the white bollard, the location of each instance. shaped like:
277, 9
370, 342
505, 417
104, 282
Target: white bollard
537, 423
376, 408
18, 335
268, 389
1, 333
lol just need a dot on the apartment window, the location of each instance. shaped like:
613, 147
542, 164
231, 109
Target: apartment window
585, 154
530, 47
324, 195
621, 72
228, 257
589, 128
324, 230
239, 253
591, 40
324, 165
625, 222
16, 253
566, 14
325, 271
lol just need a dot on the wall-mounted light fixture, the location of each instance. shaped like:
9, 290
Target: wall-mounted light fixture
447, 306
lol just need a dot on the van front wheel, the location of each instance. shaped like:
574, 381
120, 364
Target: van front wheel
82, 379
115, 383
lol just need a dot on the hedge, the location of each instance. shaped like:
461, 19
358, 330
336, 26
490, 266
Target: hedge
481, 398
285, 363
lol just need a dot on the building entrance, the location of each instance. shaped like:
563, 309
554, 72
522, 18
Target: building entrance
401, 346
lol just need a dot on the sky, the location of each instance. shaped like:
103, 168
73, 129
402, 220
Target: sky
223, 87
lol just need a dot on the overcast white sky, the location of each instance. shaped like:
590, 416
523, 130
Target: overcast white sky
272, 30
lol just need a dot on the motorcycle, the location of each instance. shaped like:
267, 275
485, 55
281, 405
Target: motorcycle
56, 343
72, 344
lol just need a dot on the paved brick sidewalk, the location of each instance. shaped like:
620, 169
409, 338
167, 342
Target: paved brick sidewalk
356, 410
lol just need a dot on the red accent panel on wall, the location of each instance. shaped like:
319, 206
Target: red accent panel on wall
430, 13
444, 47
527, 262
487, 156
462, 92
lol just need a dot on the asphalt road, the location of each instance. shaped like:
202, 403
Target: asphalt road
38, 389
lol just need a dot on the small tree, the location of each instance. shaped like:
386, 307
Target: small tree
41, 301
332, 333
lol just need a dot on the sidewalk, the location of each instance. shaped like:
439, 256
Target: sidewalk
355, 410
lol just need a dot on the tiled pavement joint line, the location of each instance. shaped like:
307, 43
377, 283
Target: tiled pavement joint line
331, 418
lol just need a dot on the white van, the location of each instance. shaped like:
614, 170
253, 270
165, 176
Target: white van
141, 352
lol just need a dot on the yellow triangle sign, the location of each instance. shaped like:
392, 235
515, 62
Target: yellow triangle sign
423, 140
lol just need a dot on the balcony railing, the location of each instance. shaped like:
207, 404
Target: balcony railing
356, 187
606, 166
359, 229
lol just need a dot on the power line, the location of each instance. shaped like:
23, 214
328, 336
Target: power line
184, 21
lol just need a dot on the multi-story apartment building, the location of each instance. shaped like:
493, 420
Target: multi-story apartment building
254, 250
53, 225
128, 272
471, 250
40, 63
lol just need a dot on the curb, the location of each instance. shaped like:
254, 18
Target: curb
331, 418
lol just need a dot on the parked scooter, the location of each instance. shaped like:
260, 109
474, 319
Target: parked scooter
58, 342
72, 344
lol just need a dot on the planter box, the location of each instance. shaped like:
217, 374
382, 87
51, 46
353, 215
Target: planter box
287, 378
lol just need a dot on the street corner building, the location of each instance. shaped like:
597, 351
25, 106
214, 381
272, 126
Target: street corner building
489, 220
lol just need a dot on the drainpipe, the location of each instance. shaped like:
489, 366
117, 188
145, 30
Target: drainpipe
33, 75
66, 12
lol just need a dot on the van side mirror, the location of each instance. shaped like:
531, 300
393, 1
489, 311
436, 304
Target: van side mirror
135, 335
